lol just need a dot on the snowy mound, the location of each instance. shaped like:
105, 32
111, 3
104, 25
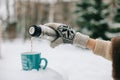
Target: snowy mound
48, 74
65, 61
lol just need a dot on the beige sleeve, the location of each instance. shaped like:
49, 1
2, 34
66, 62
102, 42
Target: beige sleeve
103, 48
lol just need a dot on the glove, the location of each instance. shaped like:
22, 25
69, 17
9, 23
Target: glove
67, 35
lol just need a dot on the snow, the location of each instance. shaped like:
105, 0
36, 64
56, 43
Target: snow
70, 62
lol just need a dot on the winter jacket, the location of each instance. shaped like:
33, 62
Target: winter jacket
111, 51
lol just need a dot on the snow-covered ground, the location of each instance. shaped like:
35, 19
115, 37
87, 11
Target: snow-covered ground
72, 62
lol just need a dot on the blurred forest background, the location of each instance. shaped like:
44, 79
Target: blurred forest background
96, 18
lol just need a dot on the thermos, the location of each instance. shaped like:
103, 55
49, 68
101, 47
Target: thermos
43, 31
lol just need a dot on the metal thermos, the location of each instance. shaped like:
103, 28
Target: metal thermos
43, 31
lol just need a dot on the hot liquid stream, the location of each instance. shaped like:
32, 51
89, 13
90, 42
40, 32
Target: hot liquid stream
31, 44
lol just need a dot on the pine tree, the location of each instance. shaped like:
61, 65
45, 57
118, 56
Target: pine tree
116, 18
116, 5
91, 17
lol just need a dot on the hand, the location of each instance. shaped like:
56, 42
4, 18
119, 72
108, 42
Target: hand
67, 35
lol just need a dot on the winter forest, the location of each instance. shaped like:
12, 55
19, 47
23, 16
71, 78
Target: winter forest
96, 18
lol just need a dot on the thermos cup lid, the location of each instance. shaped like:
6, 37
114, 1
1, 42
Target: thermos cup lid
35, 31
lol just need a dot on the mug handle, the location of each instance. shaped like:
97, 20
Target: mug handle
46, 62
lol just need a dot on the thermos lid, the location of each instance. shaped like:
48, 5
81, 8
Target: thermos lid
35, 31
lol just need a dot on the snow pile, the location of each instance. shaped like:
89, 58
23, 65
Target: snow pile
65, 60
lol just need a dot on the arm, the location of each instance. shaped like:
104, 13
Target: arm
100, 47
108, 49
69, 36
91, 44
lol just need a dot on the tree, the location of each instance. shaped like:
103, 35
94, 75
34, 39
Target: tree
0, 37
116, 6
10, 25
8, 11
92, 18
51, 12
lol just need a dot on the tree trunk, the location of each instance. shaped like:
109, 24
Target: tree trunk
15, 10
36, 12
51, 12
0, 39
22, 18
8, 11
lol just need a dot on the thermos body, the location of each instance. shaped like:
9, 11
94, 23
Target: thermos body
43, 31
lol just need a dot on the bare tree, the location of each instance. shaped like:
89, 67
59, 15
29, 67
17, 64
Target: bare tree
51, 10
27, 18
22, 17
8, 11
15, 10
36, 12
0, 38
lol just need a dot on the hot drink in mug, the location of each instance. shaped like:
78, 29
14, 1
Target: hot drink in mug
32, 60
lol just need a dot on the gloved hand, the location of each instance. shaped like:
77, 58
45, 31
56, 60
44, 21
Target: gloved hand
67, 35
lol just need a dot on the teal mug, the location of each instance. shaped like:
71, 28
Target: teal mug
32, 60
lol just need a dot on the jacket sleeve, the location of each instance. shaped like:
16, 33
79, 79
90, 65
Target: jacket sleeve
103, 48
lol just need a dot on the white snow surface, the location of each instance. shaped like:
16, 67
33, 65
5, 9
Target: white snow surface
72, 63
